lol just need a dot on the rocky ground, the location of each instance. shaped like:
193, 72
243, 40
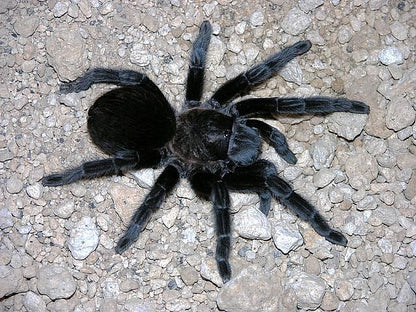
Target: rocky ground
57, 244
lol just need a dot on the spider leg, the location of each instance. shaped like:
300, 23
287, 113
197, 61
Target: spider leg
263, 175
104, 75
163, 185
208, 186
195, 79
94, 169
274, 138
247, 80
267, 106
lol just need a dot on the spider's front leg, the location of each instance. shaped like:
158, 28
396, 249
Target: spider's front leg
208, 186
104, 75
293, 106
262, 175
246, 81
195, 80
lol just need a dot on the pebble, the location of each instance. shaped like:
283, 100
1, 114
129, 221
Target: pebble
56, 282
286, 236
33, 302
83, 238
309, 289
14, 185
296, 22
257, 18
391, 55
26, 26
251, 223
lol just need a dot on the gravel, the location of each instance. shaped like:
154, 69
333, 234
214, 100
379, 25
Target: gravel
57, 244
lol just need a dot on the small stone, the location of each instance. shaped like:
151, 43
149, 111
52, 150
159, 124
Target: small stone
33, 302
139, 55
252, 290
6, 218
406, 295
64, 210
323, 177
251, 223
322, 151
11, 281
399, 31
56, 282
347, 125
26, 26
344, 289
391, 55
60, 9
296, 22
189, 276
83, 238
286, 236
309, 5
400, 114
14, 185
309, 289
35, 191
257, 18
129, 285
344, 34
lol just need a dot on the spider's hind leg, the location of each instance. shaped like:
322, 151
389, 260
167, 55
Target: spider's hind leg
262, 176
122, 161
163, 186
208, 186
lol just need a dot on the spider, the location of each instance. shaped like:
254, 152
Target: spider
215, 144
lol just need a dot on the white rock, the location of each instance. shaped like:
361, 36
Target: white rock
286, 236
251, 223
391, 55
83, 238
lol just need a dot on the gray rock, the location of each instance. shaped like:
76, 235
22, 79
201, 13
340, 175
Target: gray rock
361, 169
322, 151
292, 72
140, 55
11, 281
26, 26
309, 5
391, 55
6, 218
60, 9
399, 30
56, 282
323, 177
14, 185
33, 302
406, 295
344, 289
296, 22
251, 223
309, 289
400, 114
64, 210
286, 235
257, 18
83, 238
252, 290
66, 53
347, 125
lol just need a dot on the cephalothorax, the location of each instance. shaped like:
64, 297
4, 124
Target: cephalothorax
215, 144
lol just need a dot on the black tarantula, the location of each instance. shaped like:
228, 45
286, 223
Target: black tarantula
215, 144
